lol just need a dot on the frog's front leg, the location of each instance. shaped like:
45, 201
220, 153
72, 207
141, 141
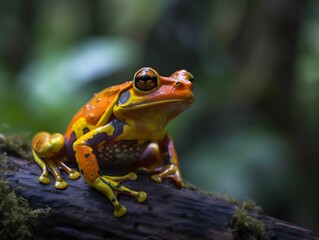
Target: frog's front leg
168, 166
47, 150
108, 185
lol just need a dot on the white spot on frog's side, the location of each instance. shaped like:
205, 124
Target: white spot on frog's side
120, 153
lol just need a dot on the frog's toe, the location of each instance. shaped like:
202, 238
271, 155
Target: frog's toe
60, 184
74, 174
44, 178
141, 197
157, 178
132, 176
177, 179
119, 210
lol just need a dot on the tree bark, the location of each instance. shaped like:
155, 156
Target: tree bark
80, 212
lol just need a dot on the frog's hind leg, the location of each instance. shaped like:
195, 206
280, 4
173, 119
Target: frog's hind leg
115, 183
108, 185
105, 185
46, 149
119, 179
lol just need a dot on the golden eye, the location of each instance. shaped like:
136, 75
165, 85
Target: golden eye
145, 80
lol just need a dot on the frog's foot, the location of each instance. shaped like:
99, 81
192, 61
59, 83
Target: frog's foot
166, 171
50, 166
111, 187
54, 168
45, 176
72, 174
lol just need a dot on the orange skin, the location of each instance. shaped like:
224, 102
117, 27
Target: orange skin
123, 126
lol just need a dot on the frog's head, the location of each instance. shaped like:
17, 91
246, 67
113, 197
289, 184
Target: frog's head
155, 99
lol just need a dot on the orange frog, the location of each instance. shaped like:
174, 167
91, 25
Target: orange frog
123, 126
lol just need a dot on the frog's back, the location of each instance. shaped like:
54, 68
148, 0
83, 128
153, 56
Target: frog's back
89, 116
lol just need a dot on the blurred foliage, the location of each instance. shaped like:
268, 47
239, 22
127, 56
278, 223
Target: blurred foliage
253, 129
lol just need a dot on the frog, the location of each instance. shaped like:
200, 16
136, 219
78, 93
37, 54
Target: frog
121, 127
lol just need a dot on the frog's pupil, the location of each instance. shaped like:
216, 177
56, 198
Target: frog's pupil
145, 78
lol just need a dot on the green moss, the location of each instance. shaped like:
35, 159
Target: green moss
248, 204
245, 226
227, 198
3, 162
15, 145
17, 220
251, 206
192, 186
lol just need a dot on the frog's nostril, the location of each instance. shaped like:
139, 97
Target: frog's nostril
178, 84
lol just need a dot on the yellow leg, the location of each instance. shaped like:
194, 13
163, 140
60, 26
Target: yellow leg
71, 173
55, 171
119, 179
108, 185
44, 177
102, 185
140, 196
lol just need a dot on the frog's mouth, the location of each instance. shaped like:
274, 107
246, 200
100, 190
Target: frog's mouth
179, 101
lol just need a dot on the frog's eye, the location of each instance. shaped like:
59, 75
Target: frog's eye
145, 80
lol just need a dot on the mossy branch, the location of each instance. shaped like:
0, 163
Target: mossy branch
18, 220
80, 212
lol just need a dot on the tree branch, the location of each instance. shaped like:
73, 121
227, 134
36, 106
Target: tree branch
80, 212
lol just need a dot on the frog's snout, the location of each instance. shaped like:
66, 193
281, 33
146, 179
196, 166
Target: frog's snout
187, 76
183, 76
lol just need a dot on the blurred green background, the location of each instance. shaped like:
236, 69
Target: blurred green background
253, 131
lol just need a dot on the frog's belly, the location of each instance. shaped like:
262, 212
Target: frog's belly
121, 154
